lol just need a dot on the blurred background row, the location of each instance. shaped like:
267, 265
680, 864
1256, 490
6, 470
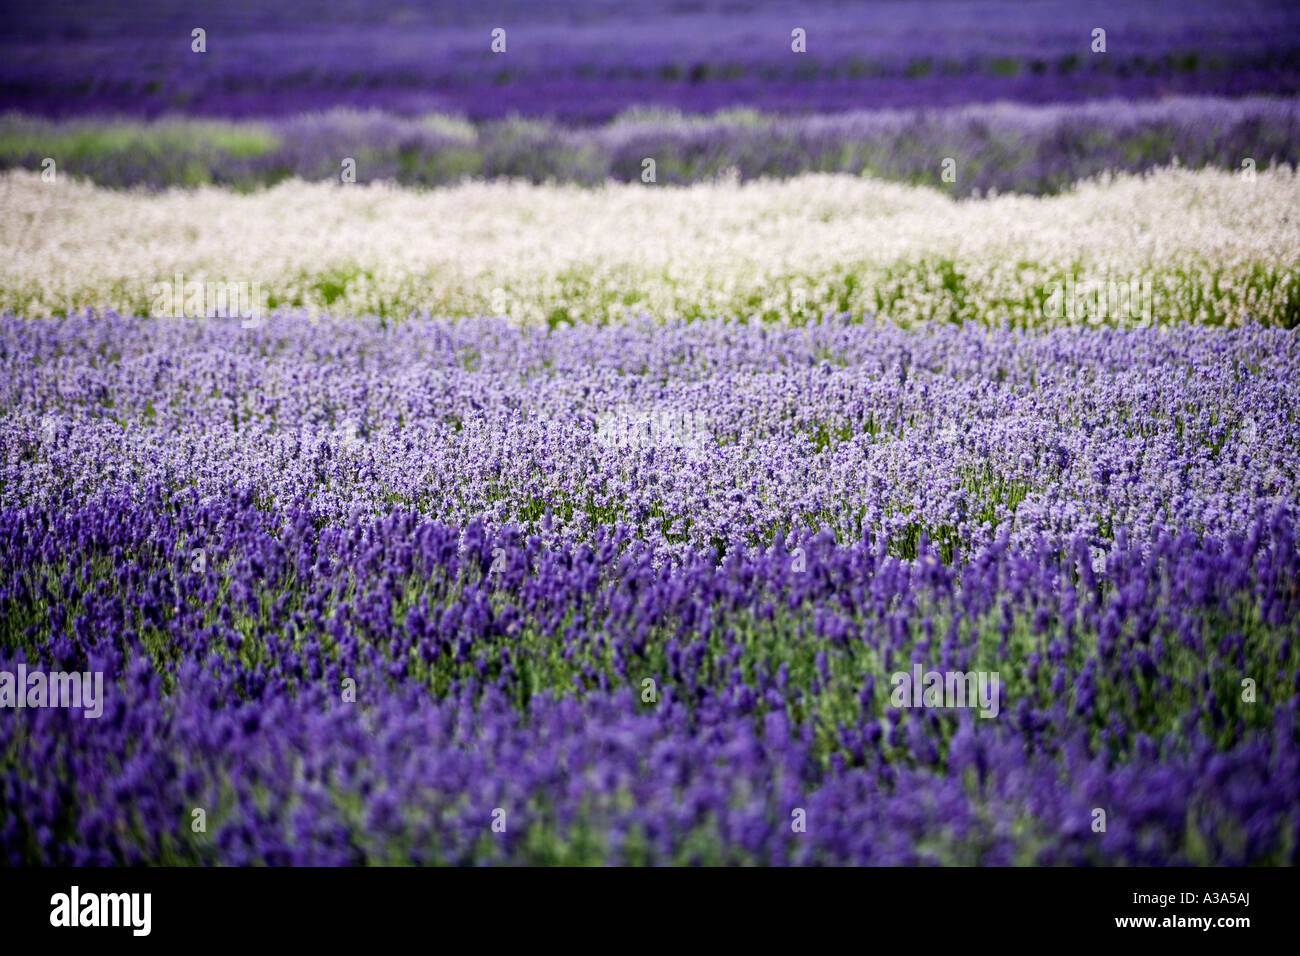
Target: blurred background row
583, 90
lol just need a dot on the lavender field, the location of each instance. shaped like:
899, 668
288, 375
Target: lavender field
642, 588
904, 472
585, 61
1025, 93
1005, 147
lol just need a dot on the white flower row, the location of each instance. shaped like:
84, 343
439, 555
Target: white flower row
1211, 245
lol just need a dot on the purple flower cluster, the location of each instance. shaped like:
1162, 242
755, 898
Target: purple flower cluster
467, 593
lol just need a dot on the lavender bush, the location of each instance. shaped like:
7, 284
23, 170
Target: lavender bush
368, 593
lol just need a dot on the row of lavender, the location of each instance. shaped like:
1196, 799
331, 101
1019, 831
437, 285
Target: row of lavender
1002, 147
461, 592
584, 61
